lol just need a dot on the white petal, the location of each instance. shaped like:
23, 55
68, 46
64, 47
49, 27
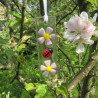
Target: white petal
41, 31
45, 73
76, 40
47, 62
84, 16
72, 25
96, 33
48, 42
80, 48
69, 36
52, 36
41, 40
65, 24
88, 41
42, 67
94, 18
53, 65
49, 30
53, 71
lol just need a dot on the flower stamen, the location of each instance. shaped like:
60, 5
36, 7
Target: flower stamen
46, 36
78, 32
48, 68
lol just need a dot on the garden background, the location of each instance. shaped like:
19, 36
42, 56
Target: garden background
20, 75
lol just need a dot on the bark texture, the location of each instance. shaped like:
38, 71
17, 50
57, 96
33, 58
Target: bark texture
83, 73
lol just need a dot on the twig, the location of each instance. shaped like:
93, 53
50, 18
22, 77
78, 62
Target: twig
5, 67
23, 16
64, 54
85, 55
17, 73
66, 15
21, 34
66, 57
2, 63
66, 64
17, 5
22, 80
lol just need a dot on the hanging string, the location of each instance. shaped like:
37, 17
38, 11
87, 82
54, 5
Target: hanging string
45, 10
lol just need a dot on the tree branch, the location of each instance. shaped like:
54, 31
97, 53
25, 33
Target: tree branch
22, 80
2, 63
23, 17
66, 15
84, 72
66, 57
5, 67
41, 7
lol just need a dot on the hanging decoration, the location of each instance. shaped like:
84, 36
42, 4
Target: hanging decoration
46, 39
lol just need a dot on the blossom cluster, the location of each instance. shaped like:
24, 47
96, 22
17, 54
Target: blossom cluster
80, 30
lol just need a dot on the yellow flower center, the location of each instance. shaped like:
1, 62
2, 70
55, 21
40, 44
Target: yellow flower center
48, 68
78, 32
46, 36
80, 40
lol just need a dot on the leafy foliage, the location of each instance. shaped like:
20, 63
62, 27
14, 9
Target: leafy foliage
13, 50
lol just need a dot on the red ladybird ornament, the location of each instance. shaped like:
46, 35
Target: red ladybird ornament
47, 52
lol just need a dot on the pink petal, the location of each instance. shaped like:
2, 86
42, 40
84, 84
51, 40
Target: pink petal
76, 40
41, 40
52, 36
41, 31
73, 23
53, 71
42, 67
48, 42
47, 62
53, 65
45, 73
49, 30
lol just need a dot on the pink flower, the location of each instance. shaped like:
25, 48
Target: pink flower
46, 36
48, 68
80, 30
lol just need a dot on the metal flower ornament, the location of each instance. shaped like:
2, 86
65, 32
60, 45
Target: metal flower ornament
80, 30
48, 68
46, 36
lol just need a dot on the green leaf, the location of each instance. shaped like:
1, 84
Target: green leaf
15, 14
91, 1
2, 41
10, 53
30, 87
62, 90
19, 48
75, 92
41, 91
15, 23
8, 95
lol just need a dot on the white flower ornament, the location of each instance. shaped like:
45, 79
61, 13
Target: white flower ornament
46, 36
48, 68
